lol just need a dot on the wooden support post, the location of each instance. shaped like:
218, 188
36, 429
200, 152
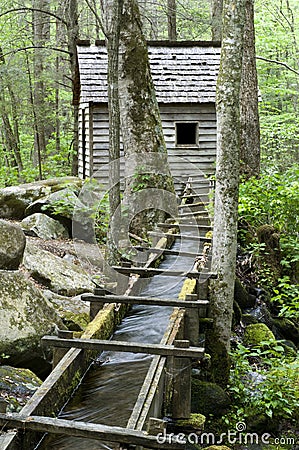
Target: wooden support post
58, 352
154, 427
181, 395
3, 405
191, 323
95, 307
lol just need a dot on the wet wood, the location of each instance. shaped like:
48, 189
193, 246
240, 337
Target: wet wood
123, 346
187, 226
181, 396
85, 430
149, 272
183, 236
146, 301
168, 251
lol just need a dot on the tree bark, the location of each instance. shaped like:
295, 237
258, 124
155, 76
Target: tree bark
227, 185
217, 9
142, 133
249, 114
111, 10
72, 37
171, 17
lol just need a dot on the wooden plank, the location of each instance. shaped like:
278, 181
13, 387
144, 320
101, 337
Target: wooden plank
147, 272
185, 226
85, 430
168, 251
122, 346
184, 236
134, 300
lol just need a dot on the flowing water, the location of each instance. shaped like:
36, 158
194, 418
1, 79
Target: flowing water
111, 387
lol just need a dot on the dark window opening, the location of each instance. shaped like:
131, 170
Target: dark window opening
186, 133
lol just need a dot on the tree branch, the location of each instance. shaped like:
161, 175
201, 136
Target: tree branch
36, 46
281, 63
34, 9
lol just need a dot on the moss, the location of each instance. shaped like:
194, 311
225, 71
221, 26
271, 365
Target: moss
217, 447
257, 333
195, 421
188, 287
220, 360
74, 321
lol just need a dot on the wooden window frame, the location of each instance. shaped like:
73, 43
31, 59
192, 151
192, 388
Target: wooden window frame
189, 122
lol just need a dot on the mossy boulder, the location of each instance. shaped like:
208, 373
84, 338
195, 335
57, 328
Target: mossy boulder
12, 245
25, 317
43, 226
257, 333
242, 296
56, 274
287, 329
17, 386
15, 199
74, 312
195, 422
208, 398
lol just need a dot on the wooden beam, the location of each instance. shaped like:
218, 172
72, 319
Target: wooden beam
182, 236
122, 346
184, 225
149, 272
168, 251
86, 430
132, 300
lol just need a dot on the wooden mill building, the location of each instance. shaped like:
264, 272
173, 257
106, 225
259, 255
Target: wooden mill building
184, 75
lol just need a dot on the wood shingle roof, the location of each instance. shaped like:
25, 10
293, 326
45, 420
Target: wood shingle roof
183, 72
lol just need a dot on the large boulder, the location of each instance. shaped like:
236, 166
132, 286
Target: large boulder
208, 398
74, 312
257, 333
25, 317
56, 274
17, 386
66, 207
12, 245
43, 226
15, 199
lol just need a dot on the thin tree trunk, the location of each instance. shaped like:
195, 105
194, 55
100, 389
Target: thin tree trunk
72, 37
217, 8
171, 16
249, 113
227, 186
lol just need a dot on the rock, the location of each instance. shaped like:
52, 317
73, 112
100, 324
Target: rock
25, 317
66, 207
17, 386
12, 245
262, 314
242, 297
74, 312
257, 333
208, 398
287, 329
43, 226
56, 274
15, 199
248, 319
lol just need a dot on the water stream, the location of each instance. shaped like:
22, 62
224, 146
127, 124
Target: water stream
111, 387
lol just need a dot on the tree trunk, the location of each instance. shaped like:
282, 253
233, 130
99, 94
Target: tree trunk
112, 13
227, 185
249, 114
171, 17
217, 8
41, 33
142, 133
72, 37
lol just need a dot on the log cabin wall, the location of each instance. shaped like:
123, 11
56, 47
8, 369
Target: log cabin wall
185, 77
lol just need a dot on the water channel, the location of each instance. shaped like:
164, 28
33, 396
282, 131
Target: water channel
111, 387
